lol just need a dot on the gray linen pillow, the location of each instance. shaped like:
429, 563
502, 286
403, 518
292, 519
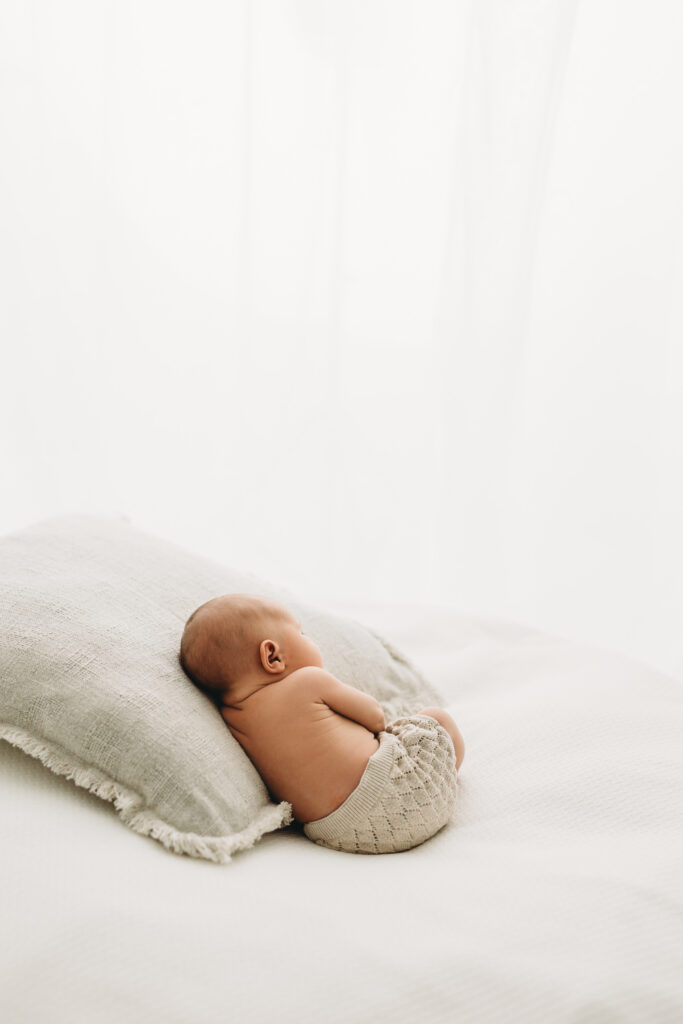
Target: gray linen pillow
92, 610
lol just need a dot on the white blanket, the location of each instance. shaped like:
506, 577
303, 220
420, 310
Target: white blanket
556, 893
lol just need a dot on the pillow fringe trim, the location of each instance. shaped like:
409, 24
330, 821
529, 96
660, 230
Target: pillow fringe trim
128, 804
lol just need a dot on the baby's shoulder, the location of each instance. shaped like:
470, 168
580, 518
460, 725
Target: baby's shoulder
310, 680
307, 677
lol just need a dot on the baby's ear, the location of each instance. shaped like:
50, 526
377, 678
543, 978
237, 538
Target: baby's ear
271, 658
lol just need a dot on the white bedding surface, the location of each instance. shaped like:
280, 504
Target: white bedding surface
555, 894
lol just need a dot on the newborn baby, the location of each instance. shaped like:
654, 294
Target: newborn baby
353, 782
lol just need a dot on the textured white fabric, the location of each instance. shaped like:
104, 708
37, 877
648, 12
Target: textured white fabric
91, 615
406, 793
555, 893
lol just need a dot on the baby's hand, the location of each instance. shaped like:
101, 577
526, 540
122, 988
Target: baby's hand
381, 724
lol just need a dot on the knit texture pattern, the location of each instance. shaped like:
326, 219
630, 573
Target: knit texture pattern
406, 793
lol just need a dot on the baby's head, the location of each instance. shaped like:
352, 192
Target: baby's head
238, 643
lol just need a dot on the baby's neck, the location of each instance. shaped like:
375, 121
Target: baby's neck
245, 688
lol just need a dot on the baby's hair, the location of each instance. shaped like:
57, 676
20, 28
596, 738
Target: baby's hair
220, 641
190, 658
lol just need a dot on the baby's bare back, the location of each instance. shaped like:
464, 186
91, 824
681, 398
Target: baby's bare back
305, 752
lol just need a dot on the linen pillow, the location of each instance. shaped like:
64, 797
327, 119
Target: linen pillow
92, 610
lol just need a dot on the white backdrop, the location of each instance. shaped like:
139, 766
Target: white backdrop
380, 300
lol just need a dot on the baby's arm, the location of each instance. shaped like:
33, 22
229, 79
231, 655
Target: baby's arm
348, 701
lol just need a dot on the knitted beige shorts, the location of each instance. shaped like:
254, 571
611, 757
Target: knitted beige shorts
405, 794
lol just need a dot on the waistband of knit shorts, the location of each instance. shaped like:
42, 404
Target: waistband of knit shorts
364, 796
